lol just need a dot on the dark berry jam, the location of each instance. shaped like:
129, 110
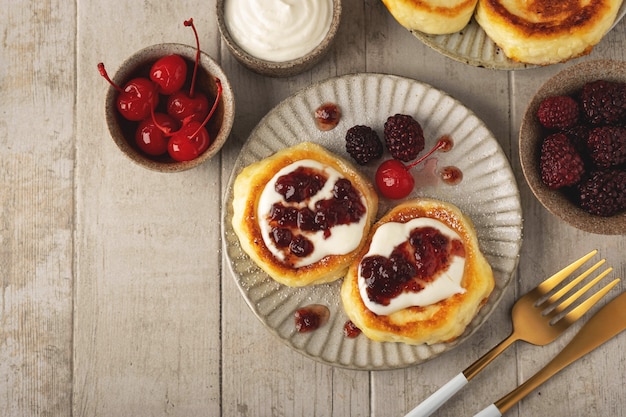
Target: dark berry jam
350, 330
451, 175
327, 116
288, 219
300, 246
299, 185
311, 317
411, 265
447, 143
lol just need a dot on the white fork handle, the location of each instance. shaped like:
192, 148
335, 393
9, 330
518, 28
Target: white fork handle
491, 411
439, 397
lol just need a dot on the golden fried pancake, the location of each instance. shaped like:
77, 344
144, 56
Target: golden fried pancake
543, 32
420, 278
303, 214
436, 17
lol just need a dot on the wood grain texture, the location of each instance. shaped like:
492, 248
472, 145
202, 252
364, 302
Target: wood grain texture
36, 208
116, 296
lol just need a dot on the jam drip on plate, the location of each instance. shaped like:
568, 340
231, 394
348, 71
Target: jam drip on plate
411, 266
292, 218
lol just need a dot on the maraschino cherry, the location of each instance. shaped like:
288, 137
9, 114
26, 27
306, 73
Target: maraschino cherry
393, 178
150, 135
169, 73
182, 105
137, 99
192, 139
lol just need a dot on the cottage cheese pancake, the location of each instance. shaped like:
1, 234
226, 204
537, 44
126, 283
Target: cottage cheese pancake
544, 32
303, 214
420, 278
435, 17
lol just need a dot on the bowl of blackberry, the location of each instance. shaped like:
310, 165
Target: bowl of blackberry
572, 146
169, 107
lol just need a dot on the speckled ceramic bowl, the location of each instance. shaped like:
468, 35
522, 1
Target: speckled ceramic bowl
219, 127
278, 69
567, 82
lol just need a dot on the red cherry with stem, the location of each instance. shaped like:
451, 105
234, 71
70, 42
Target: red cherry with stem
150, 135
393, 178
137, 99
189, 142
192, 139
181, 105
169, 73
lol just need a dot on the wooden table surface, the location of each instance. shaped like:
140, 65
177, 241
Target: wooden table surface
116, 297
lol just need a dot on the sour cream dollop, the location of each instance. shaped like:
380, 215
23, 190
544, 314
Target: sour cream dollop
278, 30
445, 285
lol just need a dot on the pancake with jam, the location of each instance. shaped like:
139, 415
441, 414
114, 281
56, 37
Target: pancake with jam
420, 278
436, 17
303, 214
544, 32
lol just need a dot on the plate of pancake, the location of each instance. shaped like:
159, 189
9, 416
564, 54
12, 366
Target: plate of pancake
487, 194
563, 30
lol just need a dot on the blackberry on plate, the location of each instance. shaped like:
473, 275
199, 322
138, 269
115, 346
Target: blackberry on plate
604, 102
558, 112
603, 193
363, 144
404, 137
560, 163
607, 146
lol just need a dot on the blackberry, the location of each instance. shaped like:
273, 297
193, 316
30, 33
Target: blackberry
578, 135
607, 146
404, 137
604, 102
603, 193
560, 164
363, 144
558, 112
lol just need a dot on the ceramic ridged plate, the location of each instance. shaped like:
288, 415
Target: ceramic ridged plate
488, 194
472, 46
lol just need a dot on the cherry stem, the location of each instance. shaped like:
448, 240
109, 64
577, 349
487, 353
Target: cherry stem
166, 130
195, 68
218, 83
103, 72
440, 144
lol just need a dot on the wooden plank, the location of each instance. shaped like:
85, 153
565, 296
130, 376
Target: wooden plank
36, 203
147, 299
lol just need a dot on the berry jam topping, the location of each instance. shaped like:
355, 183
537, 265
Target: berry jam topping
311, 317
327, 116
451, 175
411, 266
300, 185
350, 330
302, 205
344, 207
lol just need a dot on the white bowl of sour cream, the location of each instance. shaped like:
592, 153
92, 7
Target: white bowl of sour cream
278, 38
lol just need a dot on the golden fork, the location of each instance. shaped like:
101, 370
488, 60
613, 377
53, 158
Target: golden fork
537, 317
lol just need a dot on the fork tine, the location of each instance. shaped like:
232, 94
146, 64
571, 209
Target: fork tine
567, 288
562, 306
583, 307
550, 283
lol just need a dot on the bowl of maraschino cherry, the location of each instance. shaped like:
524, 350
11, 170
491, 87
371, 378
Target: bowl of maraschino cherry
169, 107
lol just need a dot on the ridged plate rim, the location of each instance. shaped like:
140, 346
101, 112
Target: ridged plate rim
488, 194
472, 46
